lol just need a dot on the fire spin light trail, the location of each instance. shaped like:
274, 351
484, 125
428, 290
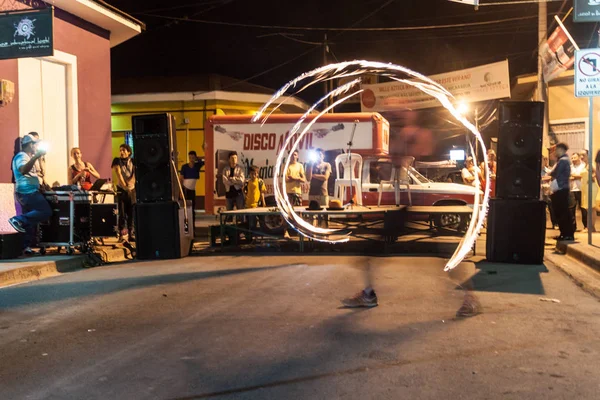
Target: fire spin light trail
357, 69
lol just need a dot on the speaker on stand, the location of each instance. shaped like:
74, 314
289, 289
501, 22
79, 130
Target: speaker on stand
162, 223
516, 227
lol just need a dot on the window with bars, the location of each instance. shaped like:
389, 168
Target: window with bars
573, 132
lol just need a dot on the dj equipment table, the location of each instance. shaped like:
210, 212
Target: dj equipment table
76, 220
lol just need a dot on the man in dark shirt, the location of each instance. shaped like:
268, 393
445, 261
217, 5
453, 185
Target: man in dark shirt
190, 174
561, 191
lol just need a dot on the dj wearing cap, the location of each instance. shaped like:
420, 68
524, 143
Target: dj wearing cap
27, 191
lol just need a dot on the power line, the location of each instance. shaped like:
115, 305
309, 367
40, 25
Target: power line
273, 68
307, 28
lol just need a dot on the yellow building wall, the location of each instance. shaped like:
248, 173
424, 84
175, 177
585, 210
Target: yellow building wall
564, 105
190, 136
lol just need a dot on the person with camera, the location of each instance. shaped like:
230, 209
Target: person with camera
35, 208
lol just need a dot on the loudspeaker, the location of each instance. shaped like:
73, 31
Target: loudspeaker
155, 146
11, 245
160, 231
516, 231
519, 149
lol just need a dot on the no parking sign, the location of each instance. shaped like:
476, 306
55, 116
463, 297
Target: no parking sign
587, 73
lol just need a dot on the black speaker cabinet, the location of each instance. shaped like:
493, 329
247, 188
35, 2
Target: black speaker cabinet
519, 149
155, 146
160, 231
104, 220
11, 245
516, 231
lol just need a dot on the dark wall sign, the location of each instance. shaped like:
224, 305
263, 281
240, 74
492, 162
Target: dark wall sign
586, 10
26, 34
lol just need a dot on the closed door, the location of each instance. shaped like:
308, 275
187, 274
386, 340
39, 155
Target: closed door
43, 109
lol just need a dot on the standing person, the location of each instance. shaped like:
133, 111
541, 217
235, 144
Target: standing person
560, 192
233, 179
318, 175
41, 167
545, 193
81, 172
255, 195
577, 168
493, 165
190, 174
294, 179
469, 172
35, 208
583, 155
125, 171
584, 197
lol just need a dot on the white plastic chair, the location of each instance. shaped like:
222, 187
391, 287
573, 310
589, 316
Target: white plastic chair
350, 163
398, 178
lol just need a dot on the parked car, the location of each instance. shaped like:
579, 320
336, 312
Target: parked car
424, 192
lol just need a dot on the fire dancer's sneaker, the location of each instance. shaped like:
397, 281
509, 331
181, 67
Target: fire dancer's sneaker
361, 299
470, 307
16, 224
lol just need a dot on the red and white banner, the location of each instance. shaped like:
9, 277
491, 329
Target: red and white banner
486, 82
557, 53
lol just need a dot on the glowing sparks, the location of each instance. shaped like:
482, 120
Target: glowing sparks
357, 69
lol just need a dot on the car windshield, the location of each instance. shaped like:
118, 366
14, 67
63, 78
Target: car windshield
417, 176
382, 171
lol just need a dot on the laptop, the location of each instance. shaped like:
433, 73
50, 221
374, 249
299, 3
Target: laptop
97, 186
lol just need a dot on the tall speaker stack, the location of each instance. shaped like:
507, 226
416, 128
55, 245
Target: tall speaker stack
160, 224
516, 226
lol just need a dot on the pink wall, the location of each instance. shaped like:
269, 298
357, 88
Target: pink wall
9, 121
93, 71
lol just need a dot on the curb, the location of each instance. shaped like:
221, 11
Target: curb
37, 270
581, 274
580, 253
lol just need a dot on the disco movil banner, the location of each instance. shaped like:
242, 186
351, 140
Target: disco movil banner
26, 34
586, 10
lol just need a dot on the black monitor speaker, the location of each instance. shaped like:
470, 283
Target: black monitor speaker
519, 149
516, 231
161, 231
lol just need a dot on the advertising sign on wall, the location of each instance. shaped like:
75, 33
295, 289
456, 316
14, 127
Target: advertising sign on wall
26, 34
586, 10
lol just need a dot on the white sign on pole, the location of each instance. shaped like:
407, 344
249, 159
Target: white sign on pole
485, 82
587, 73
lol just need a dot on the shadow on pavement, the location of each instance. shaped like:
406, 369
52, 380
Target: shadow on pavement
506, 278
17, 296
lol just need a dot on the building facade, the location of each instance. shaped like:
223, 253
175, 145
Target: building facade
65, 97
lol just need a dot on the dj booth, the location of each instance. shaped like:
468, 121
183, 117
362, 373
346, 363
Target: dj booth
77, 217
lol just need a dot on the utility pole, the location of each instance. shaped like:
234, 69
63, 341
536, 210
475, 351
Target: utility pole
325, 83
542, 87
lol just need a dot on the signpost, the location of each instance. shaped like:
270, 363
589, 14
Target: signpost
587, 84
26, 34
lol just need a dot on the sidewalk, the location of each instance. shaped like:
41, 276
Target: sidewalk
578, 259
26, 269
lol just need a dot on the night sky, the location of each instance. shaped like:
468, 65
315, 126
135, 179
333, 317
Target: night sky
174, 47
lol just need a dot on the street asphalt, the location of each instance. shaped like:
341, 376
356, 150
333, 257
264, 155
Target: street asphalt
271, 327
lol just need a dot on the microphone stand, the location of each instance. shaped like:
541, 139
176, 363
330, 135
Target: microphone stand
350, 143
